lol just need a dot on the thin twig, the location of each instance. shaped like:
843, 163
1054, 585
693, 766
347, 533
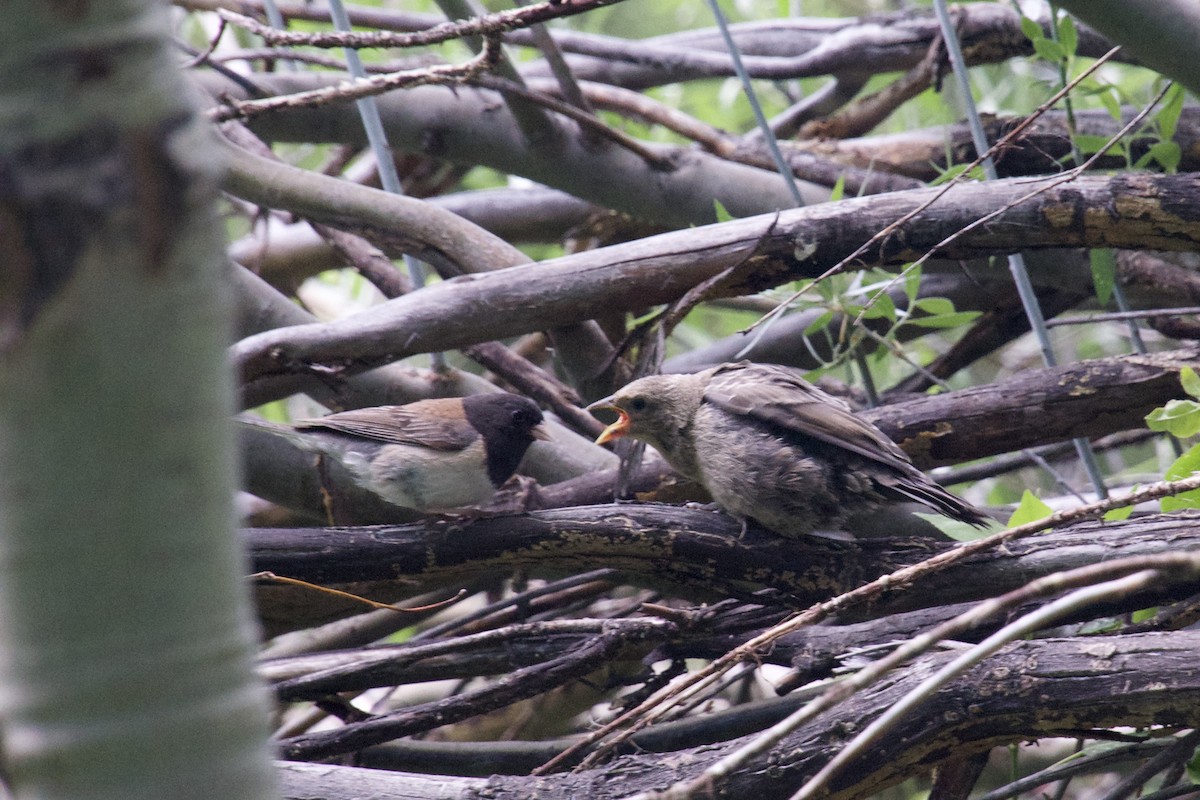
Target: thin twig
895, 226
1118, 316
658, 704
272, 577
488, 25
1083, 598
367, 87
587, 121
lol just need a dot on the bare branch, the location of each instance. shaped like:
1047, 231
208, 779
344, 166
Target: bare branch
365, 87
487, 25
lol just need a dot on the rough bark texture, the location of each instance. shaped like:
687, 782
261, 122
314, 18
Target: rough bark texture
582, 606
1044, 688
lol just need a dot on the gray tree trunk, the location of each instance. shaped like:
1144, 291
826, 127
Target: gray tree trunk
124, 634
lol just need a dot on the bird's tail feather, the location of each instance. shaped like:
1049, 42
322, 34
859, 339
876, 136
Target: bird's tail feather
942, 501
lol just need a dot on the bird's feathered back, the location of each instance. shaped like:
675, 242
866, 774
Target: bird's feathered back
417, 423
797, 411
781, 399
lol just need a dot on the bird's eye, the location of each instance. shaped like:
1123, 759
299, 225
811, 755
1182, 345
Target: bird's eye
638, 404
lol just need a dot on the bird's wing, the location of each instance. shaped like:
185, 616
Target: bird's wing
436, 424
781, 399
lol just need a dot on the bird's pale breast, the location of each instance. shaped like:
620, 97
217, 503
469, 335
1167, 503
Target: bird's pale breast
430, 480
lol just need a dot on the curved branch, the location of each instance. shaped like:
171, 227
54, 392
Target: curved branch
471, 126
1104, 681
693, 553
1150, 211
618, 638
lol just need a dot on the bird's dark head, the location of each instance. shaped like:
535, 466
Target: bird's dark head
508, 424
654, 409
505, 416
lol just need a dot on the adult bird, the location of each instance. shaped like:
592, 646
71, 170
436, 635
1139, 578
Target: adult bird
434, 456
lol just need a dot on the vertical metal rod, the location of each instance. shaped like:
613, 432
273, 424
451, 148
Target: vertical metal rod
1016, 264
785, 169
1118, 292
368, 111
275, 18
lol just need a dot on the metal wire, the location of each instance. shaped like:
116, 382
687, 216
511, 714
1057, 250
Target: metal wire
785, 169
368, 111
1016, 263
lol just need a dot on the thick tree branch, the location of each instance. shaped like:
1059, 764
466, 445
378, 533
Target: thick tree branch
1034, 407
926, 152
1099, 682
694, 554
615, 640
1151, 211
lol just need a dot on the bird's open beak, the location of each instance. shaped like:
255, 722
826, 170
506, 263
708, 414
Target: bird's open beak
540, 431
617, 429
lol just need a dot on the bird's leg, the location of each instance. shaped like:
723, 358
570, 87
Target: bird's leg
518, 495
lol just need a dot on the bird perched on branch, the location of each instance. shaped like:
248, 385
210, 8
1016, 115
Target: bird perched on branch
770, 446
431, 455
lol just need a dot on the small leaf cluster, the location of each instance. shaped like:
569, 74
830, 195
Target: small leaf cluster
1181, 418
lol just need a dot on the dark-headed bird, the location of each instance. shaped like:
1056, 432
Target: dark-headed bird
432, 455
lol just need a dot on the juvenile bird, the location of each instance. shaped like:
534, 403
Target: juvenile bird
431, 455
770, 446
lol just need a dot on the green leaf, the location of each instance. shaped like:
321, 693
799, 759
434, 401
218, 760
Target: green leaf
839, 189
1104, 273
276, 411
912, 283
1089, 144
1049, 50
1030, 509
1111, 103
880, 307
1184, 467
1143, 614
1178, 417
723, 214
1118, 514
1032, 30
958, 531
1193, 767
1167, 154
818, 323
1190, 381
1168, 116
1066, 34
952, 172
945, 320
934, 305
